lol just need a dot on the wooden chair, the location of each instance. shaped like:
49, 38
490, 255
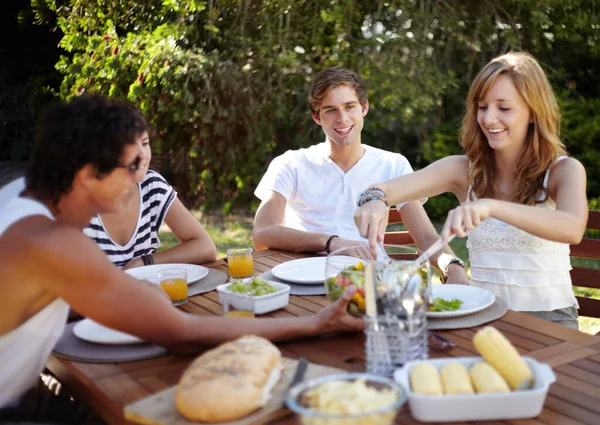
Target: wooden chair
398, 237
584, 277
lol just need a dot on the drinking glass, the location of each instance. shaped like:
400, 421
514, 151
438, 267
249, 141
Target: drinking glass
240, 262
174, 282
397, 332
240, 305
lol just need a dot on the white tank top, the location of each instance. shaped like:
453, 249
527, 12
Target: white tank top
528, 272
24, 350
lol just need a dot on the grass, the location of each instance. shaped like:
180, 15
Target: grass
230, 232
236, 232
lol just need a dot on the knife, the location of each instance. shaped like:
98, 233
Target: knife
440, 343
298, 374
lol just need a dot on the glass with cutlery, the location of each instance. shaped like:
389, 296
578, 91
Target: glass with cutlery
396, 326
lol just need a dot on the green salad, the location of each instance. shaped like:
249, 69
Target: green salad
255, 287
440, 304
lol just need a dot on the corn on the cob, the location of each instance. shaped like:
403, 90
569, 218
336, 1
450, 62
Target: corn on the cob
455, 379
500, 353
486, 379
425, 380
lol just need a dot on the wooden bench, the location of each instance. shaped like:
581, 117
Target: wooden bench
397, 238
585, 277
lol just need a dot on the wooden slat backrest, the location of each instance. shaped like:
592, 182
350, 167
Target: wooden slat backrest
587, 277
397, 238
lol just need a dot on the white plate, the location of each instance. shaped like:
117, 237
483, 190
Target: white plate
194, 272
474, 299
311, 271
90, 331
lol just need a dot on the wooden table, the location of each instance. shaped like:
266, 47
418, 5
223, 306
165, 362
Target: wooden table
574, 356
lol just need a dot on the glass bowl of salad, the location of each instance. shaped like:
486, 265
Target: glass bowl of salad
392, 273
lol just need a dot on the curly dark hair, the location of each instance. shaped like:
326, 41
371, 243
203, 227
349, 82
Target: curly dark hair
86, 130
331, 78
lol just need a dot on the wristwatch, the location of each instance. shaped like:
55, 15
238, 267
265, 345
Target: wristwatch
455, 260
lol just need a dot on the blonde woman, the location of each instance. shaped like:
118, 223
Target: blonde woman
523, 201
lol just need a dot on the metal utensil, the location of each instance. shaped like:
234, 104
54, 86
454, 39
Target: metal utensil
381, 254
435, 247
298, 374
439, 343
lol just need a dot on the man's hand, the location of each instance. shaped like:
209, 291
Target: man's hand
457, 274
335, 318
351, 248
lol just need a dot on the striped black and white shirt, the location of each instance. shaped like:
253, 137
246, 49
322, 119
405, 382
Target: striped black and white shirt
156, 197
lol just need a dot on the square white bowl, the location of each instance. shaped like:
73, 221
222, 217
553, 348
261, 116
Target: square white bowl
258, 304
518, 404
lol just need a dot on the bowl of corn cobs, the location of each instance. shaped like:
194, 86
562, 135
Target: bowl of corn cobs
499, 385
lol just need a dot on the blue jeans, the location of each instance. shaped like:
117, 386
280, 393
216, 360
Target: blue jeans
563, 316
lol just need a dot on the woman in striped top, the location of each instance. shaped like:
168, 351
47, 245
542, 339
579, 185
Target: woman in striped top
130, 237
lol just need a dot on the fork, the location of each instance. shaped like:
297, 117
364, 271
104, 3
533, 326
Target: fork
435, 247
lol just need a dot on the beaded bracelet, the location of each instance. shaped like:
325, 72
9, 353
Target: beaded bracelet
371, 194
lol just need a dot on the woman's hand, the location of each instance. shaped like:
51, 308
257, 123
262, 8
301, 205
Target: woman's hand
371, 220
466, 217
335, 318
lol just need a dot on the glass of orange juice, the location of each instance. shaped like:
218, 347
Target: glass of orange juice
240, 262
240, 306
174, 282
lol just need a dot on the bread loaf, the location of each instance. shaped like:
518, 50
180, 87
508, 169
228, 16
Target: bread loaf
230, 381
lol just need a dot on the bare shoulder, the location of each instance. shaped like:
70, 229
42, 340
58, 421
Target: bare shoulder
566, 170
44, 242
568, 164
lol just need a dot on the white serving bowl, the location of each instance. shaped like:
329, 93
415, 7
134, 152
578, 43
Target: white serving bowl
258, 304
518, 404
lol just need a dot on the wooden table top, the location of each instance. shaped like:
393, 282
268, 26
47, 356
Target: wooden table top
574, 356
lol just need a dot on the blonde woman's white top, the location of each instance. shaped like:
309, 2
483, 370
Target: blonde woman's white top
530, 273
25, 350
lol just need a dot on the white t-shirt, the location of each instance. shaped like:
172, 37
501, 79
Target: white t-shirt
321, 198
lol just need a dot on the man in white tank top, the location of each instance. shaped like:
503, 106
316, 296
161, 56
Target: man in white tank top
85, 159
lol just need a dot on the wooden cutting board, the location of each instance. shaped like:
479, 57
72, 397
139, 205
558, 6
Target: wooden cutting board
159, 408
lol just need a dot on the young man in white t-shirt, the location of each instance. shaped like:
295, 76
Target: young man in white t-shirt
309, 195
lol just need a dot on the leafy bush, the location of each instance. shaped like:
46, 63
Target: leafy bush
224, 83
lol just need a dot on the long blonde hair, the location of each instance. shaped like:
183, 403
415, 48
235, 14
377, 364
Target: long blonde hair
542, 144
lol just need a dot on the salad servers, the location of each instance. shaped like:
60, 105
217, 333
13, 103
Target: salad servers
435, 247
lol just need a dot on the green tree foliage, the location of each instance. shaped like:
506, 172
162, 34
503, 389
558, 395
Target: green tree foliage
224, 82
